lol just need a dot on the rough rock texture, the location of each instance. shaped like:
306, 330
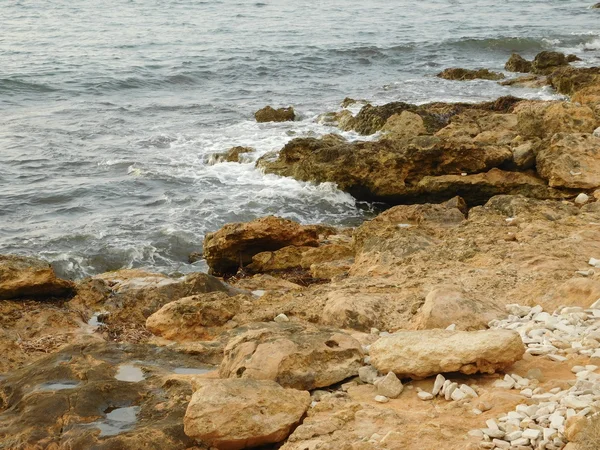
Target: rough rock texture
358, 312
236, 414
404, 125
297, 356
516, 63
199, 317
571, 160
545, 62
234, 154
429, 352
66, 399
544, 119
467, 74
235, 244
448, 305
269, 114
568, 80
24, 277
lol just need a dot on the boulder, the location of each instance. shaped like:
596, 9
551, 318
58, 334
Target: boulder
269, 114
467, 74
25, 277
237, 414
429, 352
524, 155
235, 244
234, 154
296, 356
285, 258
568, 80
516, 63
447, 305
571, 161
360, 311
199, 317
404, 125
545, 62
564, 117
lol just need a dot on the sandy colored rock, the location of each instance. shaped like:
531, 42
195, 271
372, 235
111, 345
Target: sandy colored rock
294, 355
25, 277
544, 62
269, 114
516, 63
235, 244
429, 352
566, 117
468, 74
234, 154
236, 414
574, 292
358, 312
447, 305
283, 259
199, 317
404, 125
571, 160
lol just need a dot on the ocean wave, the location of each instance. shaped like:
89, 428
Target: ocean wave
12, 86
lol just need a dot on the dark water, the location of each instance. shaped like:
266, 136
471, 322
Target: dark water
109, 110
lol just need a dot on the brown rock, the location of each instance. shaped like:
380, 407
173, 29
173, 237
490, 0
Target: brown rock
574, 427
571, 161
429, 352
467, 74
268, 114
199, 317
237, 414
569, 118
301, 357
545, 62
235, 244
24, 277
516, 63
283, 259
447, 305
568, 80
527, 81
404, 125
234, 154
356, 311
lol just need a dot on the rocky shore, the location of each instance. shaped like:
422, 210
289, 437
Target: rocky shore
466, 315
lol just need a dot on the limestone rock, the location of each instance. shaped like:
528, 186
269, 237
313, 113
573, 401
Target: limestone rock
566, 117
430, 352
448, 305
404, 125
234, 154
24, 277
269, 114
286, 258
291, 354
574, 292
199, 317
516, 63
568, 80
546, 61
389, 386
235, 244
467, 74
524, 155
571, 160
359, 311
236, 414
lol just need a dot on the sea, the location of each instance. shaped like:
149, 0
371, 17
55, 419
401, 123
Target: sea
111, 111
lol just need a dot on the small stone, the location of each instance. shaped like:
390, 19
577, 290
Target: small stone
484, 406
457, 395
281, 318
582, 199
498, 434
438, 383
381, 399
468, 391
557, 358
531, 434
501, 444
424, 395
513, 436
520, 442
476, 433
367, 374
390, 385
491, 424
449, 390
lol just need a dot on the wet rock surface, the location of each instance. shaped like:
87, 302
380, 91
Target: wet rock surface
270, 114
466, 74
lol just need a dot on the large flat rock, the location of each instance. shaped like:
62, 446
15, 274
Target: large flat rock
429, 352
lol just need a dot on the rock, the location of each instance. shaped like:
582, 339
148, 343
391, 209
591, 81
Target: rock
381, 399
286, 258
571, 160
430, 352
25, 277
568, 80
326, 253
302, 357
359, 311
574, 426
546, 61
424, 395
404, 125
516, 63
234, 154
524, 156
582, 199
544, 119
199, 317
235, 244
574, 292
265, 413
367, 374
281, 318
596, 6
268, 114
527, 81
448, 305
467, 74
389, 386
597, 132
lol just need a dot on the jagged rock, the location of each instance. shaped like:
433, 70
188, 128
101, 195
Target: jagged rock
524, 155
430, 352
199, 317
571, 161
359, 311
297, 356
25, 277
467, 74
527, 81
268, 114
544, 119
235, 244
516, 63
568, 80
285, 258
404, 125
234, 154
545, 62
238, 414
447, 305
389, 386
